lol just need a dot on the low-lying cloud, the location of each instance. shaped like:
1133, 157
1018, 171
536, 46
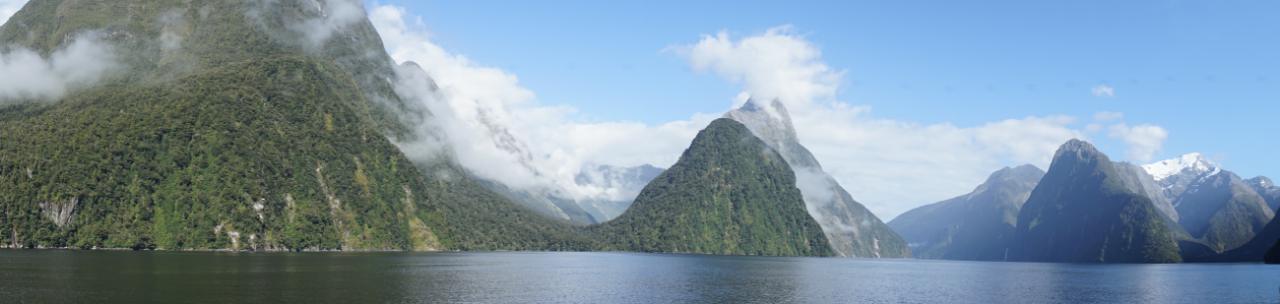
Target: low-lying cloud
26, 76
334, 16
494, 127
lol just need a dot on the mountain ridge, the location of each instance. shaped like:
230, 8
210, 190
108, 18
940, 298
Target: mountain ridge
979, 225
1081, 212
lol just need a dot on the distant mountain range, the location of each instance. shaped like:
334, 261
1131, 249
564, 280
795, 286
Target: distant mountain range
975, 226
626, 181
1078, 213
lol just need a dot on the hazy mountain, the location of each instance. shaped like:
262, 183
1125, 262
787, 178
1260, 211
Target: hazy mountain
975, 226
231, 124
1222, 211
1267, 189
1263, 247
622, 185
1215, 208
852, 229
544, 202
1137, 179
728, 194
1081, 211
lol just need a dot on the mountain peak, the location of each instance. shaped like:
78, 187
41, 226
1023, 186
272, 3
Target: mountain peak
1194, 163
728, 194
1023, 172
1078, 148
1261, 181
769, 121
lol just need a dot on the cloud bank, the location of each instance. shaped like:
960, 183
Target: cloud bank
27, 76
495, 128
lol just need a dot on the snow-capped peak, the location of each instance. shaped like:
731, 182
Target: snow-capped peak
1195, 163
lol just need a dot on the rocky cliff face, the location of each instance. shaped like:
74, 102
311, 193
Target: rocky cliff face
852, 229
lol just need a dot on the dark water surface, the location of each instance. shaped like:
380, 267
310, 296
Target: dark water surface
169, 277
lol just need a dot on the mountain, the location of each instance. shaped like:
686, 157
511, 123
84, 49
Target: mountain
1222, 211
1216, 208
545, 202
1176, 175
620, 184
1137, 179
728, 194
263, 125
1081, 211
1267, 189
1265, 246
975, 226
852, 229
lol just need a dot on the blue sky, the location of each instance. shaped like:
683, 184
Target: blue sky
1203, 70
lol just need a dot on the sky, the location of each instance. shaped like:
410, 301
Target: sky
904, 102
1143, 80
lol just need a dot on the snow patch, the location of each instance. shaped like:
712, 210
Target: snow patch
1191, 162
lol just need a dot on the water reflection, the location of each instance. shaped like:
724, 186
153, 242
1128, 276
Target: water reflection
130, 277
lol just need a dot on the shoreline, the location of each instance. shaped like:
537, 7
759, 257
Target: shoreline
672, 254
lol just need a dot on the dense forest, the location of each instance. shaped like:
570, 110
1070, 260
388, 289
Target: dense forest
243, 137
728, 194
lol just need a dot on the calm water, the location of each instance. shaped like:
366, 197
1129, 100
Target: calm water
130, 277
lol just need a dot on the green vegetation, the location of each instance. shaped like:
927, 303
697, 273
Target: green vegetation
243, 136
728, 194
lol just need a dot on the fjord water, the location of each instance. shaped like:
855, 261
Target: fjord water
187, 277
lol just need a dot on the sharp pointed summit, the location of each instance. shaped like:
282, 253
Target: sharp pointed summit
852, 229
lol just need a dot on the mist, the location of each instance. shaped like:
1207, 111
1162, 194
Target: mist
27, 76
485, 120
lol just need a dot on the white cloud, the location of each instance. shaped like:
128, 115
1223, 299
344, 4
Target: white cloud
8, 8
778, 64
26, 76
1106, 116
1104, 90
495, 128
334, 16
1143, 141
